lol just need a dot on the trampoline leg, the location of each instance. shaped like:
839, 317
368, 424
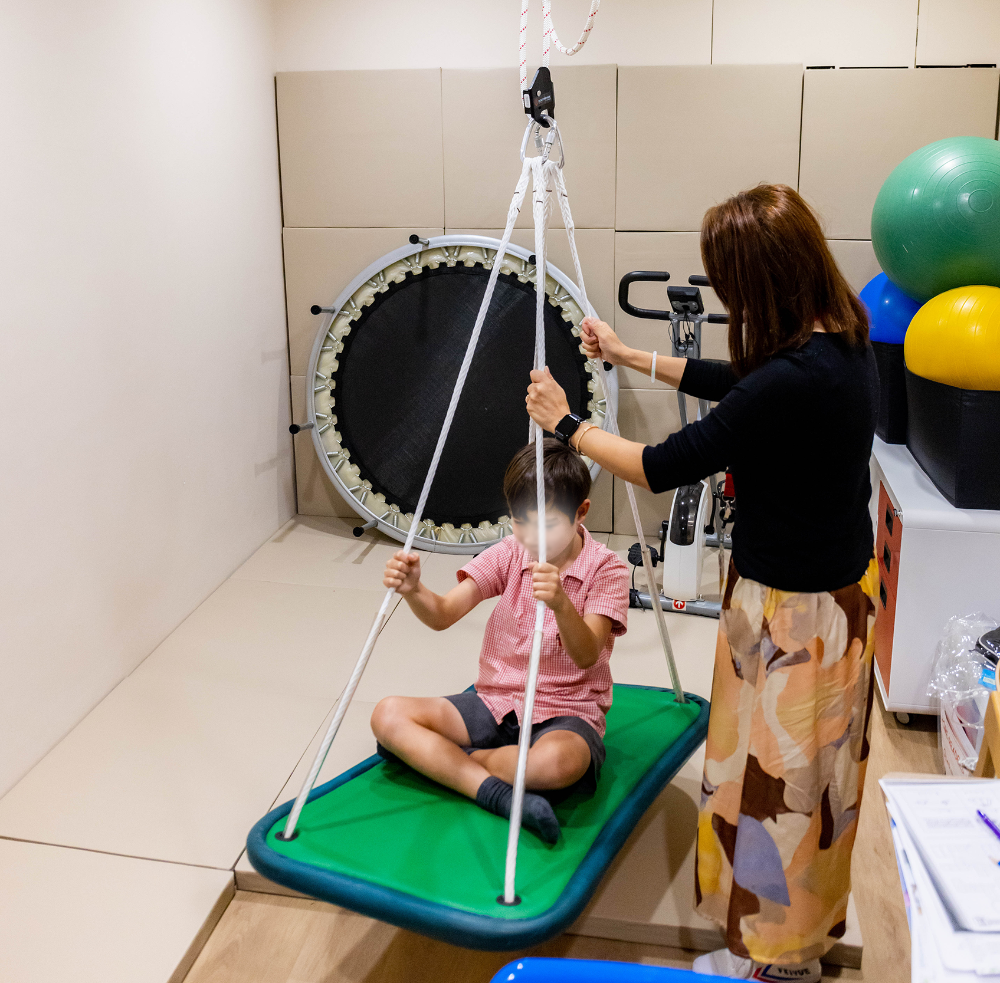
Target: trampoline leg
360, 530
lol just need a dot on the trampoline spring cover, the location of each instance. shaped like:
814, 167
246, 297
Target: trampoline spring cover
379, 365
384, 841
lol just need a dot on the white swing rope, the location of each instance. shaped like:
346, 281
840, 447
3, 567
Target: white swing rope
348, 694
543, 171
546, 174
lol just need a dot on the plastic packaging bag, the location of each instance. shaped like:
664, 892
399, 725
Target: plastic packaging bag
961, 680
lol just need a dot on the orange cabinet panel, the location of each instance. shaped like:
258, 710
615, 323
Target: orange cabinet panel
885, 618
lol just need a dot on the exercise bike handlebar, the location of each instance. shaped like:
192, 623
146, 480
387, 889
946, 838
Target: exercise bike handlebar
660, 276
641, 276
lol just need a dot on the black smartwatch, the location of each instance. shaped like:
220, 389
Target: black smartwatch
566, 427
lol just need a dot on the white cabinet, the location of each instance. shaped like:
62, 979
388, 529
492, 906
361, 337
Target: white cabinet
935, 561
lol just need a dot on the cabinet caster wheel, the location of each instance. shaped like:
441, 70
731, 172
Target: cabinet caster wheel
902, 717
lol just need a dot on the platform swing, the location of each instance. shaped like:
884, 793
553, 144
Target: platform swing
383, 840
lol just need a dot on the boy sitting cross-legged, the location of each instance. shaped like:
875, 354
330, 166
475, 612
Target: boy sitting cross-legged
468, 742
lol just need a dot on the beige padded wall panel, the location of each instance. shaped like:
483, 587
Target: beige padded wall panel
483, 126
856, 260
959, 32
690, 136
361, 148
858, 125
601, 517
596, 248
319, 264
650, 416
680, 255
816, 32
315, 492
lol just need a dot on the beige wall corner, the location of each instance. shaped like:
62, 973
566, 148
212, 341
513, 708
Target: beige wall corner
858, 125
319, 264
484, 124
361, 148
679, 254
689, 136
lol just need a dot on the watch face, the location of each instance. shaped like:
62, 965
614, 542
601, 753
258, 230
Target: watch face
384, 365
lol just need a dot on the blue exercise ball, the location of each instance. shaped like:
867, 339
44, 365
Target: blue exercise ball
936, 221
889, 309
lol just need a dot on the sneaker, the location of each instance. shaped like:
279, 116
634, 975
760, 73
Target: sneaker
722, 962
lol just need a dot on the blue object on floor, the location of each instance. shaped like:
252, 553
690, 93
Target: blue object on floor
590, 971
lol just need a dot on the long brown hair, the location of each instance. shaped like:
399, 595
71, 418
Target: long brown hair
766, 257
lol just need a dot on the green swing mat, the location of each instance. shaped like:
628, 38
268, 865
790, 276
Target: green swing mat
384, 841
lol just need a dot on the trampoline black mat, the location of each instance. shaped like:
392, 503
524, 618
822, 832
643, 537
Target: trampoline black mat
398, 371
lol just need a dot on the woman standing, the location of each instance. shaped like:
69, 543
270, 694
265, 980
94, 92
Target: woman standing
792, 693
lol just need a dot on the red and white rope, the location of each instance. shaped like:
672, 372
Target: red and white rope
550, 38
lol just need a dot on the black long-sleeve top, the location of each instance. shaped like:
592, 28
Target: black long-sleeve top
797, 434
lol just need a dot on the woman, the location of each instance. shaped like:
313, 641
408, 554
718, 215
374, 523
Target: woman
792, 693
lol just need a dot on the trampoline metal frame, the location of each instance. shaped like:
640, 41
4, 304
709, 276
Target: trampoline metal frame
332, 312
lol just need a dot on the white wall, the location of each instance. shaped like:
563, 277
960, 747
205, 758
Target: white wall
143, 360
314, 35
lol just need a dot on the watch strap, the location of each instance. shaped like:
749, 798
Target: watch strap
567, 426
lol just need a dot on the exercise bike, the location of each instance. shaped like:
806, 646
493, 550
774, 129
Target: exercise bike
701, 512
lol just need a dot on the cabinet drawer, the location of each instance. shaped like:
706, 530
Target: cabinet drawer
885, 617
890, 525
888, 566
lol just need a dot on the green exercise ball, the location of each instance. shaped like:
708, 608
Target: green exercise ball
936, 221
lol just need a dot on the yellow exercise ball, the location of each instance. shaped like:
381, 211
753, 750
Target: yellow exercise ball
955, 339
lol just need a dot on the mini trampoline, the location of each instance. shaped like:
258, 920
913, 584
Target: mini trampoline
384, 841
384, 365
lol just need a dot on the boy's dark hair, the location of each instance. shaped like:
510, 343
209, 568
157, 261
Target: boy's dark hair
567, 480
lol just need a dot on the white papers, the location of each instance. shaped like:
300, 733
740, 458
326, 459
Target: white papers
945, 867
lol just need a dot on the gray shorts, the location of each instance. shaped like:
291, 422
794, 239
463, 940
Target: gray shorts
485, 732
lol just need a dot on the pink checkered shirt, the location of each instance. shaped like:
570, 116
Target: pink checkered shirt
596, 582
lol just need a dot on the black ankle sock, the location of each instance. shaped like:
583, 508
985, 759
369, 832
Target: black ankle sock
496, 796
387, 754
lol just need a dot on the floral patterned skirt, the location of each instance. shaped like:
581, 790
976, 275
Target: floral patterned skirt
785, 766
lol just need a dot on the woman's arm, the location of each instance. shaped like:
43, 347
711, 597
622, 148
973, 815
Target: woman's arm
600, 341
701, 448
547, 405
700, 377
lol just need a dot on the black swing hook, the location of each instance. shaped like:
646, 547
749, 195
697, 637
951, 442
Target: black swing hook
540, 98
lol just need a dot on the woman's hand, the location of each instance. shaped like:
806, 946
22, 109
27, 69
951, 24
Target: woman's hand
600, 341
546, 400
402, 572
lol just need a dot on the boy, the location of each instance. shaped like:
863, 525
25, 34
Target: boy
468, 742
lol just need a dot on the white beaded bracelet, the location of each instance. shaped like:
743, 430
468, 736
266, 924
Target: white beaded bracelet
652, 370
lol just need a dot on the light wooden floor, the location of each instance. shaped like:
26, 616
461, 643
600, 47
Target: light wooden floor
271, 939
877, 894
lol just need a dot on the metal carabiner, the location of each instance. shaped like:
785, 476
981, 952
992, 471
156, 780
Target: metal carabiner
544, 147
553, 136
